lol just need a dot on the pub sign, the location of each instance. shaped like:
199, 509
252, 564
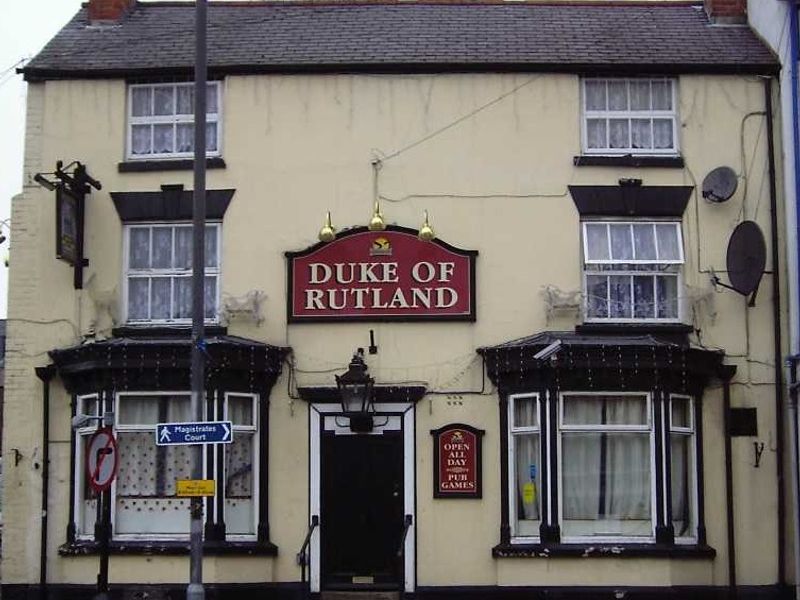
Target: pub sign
457, 461
67, 224
381, 276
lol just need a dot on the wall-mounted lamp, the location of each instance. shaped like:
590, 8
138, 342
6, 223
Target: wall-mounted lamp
426, 232
328, 232
355, 392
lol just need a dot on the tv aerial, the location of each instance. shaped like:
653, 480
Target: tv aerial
745, 260
720, 184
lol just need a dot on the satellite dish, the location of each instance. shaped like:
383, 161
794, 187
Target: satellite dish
720, 184
746, 258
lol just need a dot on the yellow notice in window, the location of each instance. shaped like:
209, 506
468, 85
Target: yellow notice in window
194, 488
528, 493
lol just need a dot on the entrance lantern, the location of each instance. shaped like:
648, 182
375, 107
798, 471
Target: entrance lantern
355, 391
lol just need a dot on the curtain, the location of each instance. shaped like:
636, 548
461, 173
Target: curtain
141, 142
681, 491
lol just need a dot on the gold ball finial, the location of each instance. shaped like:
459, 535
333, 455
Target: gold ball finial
426, 232
327, 233
376, 223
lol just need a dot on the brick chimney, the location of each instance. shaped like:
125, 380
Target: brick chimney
726, 11
109, 11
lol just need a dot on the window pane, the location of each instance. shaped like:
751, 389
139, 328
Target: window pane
620, 296
185, 99
597, 241
640, 134
240, 410
183, 297
667, 290
139, 410
139, 248
668, 242
618, 133
596, 136
163, 100
239, 505
662, 95
163, 139
525, 414
212, 104
597, 296
644, 242
681, 412
211, 137
183, 248
141, 142
621, 244
160, 298
644, 302
141, 102
640, 95
162, 247
138, 294
210, 297
595, 95
90, 406
682, 488
662, 134
211, 245
605, 410
184, 137
528, 477
617, 95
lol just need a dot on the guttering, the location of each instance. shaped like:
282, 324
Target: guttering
45, 374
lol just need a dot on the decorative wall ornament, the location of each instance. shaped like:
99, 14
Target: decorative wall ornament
561, 303
244, 307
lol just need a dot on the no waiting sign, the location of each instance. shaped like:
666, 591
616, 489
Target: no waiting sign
102, 459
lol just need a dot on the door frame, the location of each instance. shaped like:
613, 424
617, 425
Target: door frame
405, 421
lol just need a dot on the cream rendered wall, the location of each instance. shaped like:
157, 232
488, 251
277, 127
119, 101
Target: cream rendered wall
490, 156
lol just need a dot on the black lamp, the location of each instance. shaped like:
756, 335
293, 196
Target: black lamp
355, 391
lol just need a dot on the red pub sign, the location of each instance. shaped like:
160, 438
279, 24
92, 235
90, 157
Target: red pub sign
381, 276
457, 461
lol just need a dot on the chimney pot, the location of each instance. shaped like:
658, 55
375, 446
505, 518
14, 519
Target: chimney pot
109, 11
726, 11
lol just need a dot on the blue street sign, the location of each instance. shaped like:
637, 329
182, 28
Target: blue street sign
203, 432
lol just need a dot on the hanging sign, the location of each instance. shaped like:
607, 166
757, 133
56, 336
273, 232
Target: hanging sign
379, 276
457, 461
102, 459
67, 224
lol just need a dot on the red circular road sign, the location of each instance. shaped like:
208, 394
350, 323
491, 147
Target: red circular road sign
102, 459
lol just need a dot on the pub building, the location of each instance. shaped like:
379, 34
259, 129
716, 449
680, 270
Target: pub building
520, 359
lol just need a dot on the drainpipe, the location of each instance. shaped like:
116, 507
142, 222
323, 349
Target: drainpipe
45, 374
731, 520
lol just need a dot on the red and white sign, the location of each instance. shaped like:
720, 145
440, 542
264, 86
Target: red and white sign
457, 461
381, 275
102, 459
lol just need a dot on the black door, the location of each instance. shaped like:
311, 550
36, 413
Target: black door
362, 509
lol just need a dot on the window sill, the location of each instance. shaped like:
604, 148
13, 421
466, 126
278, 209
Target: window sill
173, 548
602, 550
628, 160
167, 164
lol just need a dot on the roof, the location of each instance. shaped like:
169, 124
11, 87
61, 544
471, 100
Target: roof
157, 38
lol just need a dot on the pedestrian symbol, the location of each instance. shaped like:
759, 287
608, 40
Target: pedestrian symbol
164, 437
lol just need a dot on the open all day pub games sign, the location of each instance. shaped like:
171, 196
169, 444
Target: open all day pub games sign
380, 276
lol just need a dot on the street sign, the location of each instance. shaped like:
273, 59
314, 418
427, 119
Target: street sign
202, 432
197, 488
102, 459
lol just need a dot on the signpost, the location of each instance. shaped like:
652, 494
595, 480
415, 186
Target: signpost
102, 462
201, 432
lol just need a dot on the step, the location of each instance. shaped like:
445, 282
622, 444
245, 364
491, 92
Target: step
360, 595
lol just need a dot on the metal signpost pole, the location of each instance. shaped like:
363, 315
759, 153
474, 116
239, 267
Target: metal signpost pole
195, 589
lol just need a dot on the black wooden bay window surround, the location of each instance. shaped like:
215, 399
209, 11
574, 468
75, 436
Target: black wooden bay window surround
145, 380
601, 444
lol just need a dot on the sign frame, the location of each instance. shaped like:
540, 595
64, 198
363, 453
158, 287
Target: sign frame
470, 255
477, 457
112, 443
68, 211
162, 427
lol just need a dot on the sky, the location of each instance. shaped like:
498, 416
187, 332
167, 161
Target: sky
25, 28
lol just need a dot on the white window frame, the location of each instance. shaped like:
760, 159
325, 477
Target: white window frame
691, 432
252, 429
659, 267
629, 114
648, 428
512, 462
172, 273
81, 434
172, 119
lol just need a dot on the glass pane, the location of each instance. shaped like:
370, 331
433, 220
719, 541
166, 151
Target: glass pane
211, 245
90, 406
142, 139
185, 99
595, 95
644, 302
596, 136
597, 296
662, 134
239, 465
139, 410
597, 241
211, 137
640, 95
667, 291
160, 298
141, 101
682, 488
621, 243
668, 242
617, 95
179, 408
618, 133
139, 248
605, 410
528, 478
525, 413
163, 100
184, 137
240, 410
681, 412
644, 242
138, 294
210, 297
183, 297
212, 104
163, 139
641, 134
183, 248
662, 95
620, 296
162, 247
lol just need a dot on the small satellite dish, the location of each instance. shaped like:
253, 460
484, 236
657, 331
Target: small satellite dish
720, 184
746, 258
